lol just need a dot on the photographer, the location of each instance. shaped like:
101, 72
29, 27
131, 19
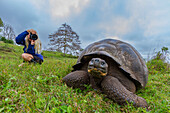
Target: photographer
32, 46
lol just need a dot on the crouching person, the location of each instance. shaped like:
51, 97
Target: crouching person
32, 46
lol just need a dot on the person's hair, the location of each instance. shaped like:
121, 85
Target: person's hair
37, 46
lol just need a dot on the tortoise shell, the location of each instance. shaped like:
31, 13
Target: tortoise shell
126, 56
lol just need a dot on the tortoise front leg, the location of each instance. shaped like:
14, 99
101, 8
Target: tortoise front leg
117, 92
77, 79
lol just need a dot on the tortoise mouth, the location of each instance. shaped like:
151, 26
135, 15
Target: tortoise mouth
97, 72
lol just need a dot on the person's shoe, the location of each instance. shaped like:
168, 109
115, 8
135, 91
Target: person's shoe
21, 65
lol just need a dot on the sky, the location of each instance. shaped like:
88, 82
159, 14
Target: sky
145, 24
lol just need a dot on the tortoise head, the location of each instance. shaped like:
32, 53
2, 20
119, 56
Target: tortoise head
97, 67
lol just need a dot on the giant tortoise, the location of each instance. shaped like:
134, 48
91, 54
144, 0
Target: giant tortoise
113, 67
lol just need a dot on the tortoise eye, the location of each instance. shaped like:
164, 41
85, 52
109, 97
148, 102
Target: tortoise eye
102, 63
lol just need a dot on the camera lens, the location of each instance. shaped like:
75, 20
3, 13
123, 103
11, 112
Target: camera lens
33, 36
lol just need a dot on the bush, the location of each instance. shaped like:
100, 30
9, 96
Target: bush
157, 66
158, 62
6, 41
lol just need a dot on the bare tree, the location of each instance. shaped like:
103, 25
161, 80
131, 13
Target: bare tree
8, 32
65, 40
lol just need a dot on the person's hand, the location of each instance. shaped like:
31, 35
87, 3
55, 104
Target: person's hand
32, 42
31, 31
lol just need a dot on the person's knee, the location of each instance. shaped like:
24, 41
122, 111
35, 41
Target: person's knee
27, 57
23, 55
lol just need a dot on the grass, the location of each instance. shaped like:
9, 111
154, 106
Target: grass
39, 88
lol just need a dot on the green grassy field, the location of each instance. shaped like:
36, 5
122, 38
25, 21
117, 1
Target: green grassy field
39, 88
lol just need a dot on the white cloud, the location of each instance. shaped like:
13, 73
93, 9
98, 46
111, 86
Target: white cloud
118, 26
151, 16
60, 8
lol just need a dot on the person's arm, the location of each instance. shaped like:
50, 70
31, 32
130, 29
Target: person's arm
20, 39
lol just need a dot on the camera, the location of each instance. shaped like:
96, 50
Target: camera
33, 36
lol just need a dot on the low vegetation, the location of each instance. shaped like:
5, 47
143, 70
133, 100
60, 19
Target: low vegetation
159, 62
6, 40
39, 88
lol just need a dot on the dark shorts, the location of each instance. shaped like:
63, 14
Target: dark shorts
37, 59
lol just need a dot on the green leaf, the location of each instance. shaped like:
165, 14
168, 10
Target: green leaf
63, 108
55, 110
69, 109
1, 109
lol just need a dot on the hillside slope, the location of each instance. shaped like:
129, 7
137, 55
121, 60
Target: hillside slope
39, 88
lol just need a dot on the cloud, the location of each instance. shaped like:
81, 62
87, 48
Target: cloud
118, 26
151, 16
60, 8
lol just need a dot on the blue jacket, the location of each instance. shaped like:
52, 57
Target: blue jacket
20, 39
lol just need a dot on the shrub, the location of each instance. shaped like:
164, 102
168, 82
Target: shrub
157, 66
6, 40
158, 63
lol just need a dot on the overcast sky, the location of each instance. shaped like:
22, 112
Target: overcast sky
145, 24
